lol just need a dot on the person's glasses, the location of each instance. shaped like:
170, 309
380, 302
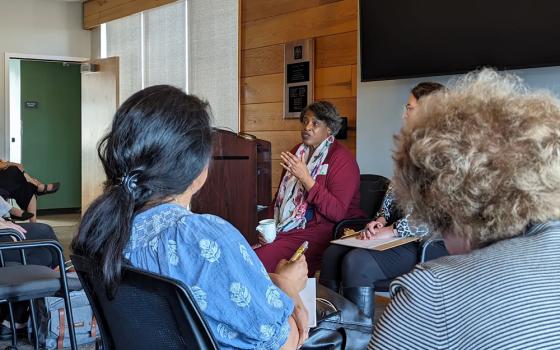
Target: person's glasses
408, 107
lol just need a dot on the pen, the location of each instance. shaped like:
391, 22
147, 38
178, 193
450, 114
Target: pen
299, 252
354, 234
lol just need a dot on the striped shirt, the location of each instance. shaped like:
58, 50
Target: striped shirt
504, 296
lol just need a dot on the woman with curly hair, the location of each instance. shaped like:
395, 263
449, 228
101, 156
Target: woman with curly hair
480, 164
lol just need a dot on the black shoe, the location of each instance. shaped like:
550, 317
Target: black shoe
54, 187
23, 217
363, 298
6, 332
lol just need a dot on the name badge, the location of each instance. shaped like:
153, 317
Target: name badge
323, 169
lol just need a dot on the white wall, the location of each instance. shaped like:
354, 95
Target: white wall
380, 107
38, 27
213, 57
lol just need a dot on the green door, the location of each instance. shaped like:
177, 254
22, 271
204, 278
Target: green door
51, 126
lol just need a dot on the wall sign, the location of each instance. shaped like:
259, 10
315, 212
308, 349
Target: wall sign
31, 104
298, 78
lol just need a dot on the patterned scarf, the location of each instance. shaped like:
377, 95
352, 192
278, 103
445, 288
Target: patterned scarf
290, 206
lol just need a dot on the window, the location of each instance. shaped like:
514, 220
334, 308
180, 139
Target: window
151, 46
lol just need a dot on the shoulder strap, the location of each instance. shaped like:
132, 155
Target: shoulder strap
60, 340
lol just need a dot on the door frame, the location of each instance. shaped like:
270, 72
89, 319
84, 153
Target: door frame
7, 57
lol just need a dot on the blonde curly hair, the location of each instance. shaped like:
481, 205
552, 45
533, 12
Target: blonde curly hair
482, 159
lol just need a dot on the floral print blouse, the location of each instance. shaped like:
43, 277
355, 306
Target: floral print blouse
242, 306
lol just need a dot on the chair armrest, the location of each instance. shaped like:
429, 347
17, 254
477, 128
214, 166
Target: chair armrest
37, 243
10, 232
426, 245
355, 224
40, 243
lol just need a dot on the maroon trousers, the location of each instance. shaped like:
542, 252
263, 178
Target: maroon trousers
285, 245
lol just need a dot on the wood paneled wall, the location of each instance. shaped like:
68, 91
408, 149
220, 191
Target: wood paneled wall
265, 27
97, 12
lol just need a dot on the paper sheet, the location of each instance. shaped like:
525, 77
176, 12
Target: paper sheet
376, 243
308, 295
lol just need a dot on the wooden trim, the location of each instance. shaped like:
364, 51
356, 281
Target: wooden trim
333, 18
97, 12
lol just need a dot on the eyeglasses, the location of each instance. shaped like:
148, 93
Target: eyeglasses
408, 107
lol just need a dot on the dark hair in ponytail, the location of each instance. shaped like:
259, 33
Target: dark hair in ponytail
159, 143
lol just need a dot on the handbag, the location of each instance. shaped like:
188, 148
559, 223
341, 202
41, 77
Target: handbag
340, 325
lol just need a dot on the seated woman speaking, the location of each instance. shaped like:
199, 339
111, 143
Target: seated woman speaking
480, 164
320, 185
156, 158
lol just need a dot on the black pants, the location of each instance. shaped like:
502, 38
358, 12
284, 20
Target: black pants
35, 256
354, 267
15, 184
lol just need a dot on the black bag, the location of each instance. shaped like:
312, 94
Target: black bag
340, 325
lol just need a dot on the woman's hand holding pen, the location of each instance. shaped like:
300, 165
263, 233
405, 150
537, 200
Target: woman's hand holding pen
295, 272
377, 229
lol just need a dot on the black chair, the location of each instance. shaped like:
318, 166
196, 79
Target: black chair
146, 311
372, 191
22, 282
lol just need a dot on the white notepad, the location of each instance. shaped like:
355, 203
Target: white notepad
308, 296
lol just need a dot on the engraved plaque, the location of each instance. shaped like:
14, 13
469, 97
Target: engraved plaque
298, 76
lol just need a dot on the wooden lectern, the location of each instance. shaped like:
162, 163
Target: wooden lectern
238, 188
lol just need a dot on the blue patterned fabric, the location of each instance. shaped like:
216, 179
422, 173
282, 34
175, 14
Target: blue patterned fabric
244, 309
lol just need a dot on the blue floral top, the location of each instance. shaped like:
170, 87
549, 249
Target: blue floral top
242, 306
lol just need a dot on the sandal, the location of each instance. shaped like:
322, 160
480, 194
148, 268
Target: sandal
54, 187
23, 217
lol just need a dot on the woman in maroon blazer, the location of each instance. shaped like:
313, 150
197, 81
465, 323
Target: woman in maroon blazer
320, 186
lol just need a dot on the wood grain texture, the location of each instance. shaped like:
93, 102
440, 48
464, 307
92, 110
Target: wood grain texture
346, 107
281, 141
262, 89
350, 142
265, 27
336, 50
97, 12
329, 19
262, 60
100, 99
266, 117
333, 82
258, 9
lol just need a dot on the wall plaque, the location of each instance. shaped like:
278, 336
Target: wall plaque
298, 77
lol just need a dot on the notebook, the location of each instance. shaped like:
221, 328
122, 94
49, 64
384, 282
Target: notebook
308, 295
376, 243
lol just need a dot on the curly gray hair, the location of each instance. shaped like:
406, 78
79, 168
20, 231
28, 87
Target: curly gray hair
482, 159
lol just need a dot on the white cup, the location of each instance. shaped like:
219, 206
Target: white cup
267, 229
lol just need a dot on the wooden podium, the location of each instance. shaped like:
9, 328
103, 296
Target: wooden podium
238, 188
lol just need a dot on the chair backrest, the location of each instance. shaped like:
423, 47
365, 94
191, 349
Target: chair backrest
372, 191
147, 311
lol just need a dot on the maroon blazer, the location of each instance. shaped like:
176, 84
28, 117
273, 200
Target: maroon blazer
336, 195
